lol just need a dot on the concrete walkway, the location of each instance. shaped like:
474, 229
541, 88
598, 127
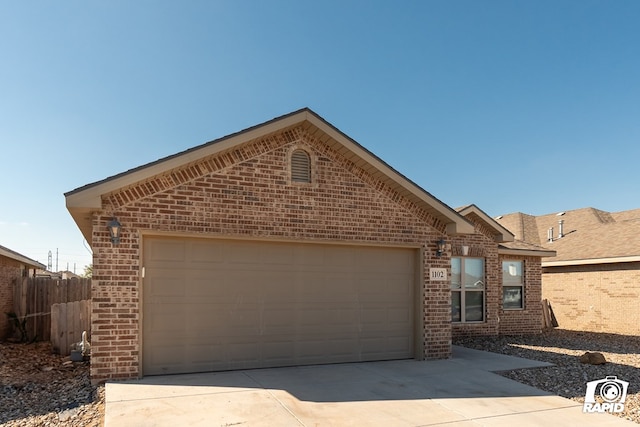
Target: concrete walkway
461, 391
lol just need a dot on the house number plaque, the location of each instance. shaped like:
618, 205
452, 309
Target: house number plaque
438, 274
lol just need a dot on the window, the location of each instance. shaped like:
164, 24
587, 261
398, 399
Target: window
512, 285
300, 166
467, 289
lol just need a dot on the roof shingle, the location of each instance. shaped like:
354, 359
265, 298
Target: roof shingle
589, 233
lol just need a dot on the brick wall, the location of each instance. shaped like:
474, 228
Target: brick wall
528, 320
482, 246
9, 271
597, 298
499, 321
248, 193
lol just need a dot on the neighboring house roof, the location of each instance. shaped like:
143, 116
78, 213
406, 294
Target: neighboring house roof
6, 252
508, 244
590, 236
69, 275
82, 201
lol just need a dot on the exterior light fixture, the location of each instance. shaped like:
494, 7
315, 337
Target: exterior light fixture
114, 228
441, 247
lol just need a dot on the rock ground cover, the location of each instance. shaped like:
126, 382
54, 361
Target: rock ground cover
38, 388
563, 348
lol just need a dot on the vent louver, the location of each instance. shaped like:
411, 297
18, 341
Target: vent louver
300, 166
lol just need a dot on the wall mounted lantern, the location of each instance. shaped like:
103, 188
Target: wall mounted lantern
114, 230
442, 245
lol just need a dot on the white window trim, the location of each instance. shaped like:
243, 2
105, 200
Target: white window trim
510, 285
462, 290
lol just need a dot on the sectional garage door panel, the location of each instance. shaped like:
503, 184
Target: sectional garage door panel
214, 304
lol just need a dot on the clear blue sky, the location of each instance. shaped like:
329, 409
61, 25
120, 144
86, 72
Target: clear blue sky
529, 106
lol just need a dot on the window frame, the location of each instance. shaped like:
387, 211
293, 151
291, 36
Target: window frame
465, 290
521, 284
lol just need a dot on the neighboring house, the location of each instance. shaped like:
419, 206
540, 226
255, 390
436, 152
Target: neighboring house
60, 275
593, 284
69, 275
43, 273
285, 244
13, 266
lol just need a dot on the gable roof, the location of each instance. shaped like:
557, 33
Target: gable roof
6, 252
82, 201
590, 236
522, 226
500, 234
508, 244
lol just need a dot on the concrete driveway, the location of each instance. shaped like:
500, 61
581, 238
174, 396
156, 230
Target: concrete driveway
461, 391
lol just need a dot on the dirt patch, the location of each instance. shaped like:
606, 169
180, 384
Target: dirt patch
40, 388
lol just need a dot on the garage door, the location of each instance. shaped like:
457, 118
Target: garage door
212, 304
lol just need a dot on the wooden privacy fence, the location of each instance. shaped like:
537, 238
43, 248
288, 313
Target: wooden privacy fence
33, 298
68, 320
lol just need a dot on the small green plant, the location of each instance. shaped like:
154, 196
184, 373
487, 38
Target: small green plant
20, 325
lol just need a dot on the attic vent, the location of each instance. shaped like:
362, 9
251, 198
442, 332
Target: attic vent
300, 166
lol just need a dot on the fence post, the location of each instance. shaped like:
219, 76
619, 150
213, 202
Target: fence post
55, 328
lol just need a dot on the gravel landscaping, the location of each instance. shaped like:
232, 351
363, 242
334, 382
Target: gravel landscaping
563, 348
38, 388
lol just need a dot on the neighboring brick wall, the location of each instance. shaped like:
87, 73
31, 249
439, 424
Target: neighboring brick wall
595, 298
248, 193
528, 320
9, 271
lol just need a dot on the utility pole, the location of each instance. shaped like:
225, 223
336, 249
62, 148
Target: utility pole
49, 262
57, 260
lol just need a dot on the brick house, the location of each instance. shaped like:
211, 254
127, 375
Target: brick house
284, 244
593, 284
12, 267
512, 264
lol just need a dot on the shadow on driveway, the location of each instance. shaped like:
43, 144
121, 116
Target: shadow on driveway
459, 391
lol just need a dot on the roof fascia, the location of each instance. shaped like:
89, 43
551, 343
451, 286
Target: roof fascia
502, 234
455, 223
6, 252
526, 252
85, 200
90, 196
591, 261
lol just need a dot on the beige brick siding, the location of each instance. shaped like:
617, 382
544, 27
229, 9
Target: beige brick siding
528, 320
499, 321
9, 271
481, 246
597, 298
248, 193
